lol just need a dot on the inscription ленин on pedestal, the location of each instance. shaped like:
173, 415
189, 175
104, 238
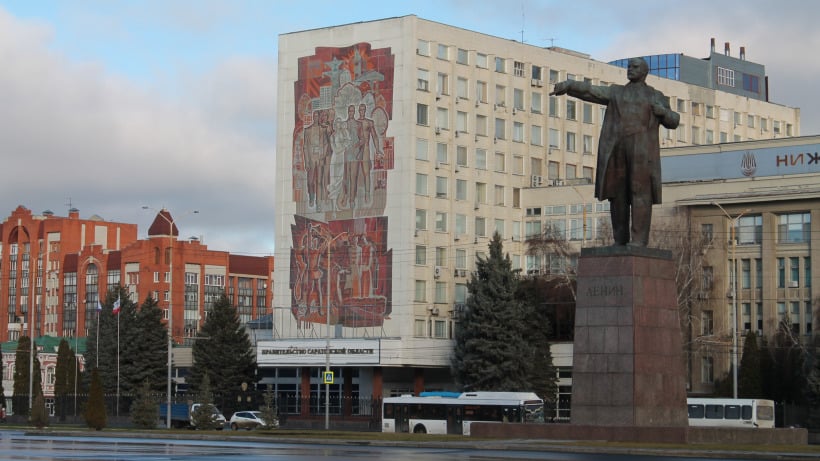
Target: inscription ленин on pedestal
605, 290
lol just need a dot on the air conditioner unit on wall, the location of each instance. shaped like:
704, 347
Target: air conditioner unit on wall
794, 284
536, 181
437, 273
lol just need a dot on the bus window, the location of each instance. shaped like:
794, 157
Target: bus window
696, 411
388, 410
746, 412
731, 412
765, 413
714, 411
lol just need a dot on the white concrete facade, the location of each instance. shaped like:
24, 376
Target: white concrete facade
472, 142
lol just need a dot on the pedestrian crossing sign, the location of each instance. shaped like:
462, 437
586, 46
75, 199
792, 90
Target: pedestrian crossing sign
328, 377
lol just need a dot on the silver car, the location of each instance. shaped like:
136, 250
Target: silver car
247, 420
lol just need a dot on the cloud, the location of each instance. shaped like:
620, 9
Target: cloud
72, 131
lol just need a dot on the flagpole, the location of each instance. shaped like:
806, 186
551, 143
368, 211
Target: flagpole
118, 364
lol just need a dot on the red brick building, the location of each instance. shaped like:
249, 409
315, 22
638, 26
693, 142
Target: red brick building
60, 267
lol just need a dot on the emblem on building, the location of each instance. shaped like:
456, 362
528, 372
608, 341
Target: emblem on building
748, 165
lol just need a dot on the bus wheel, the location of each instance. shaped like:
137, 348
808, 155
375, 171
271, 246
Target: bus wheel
419, 429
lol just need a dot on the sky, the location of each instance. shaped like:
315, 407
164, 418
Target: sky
108, 106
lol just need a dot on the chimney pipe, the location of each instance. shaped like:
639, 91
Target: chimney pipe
713, 44
726, 49
743, 53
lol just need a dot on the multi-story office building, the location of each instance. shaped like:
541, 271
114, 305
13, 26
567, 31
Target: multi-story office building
747, 208
60, 267
722, 72
402, 145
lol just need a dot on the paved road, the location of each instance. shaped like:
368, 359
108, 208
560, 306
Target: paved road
18, 445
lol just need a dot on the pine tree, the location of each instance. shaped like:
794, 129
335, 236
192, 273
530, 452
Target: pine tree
269, 412
94, 413
749, 384
144, 410
224, 353
491, 353
64, 377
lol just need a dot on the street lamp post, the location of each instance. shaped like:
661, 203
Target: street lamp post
734, 222
171, 223
327, 346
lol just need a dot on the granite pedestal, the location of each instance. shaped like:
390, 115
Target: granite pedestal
628, 364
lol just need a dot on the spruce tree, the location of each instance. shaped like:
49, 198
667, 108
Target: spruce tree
94, 413
64, 378
749, 384
144, 340
491, 349
144, 410
22, 367
269, 412
223, 352
203, 416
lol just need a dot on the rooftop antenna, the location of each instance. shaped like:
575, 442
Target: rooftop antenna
522, 22
68, 203
552, 41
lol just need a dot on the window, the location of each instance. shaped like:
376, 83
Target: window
746, 273
554, 76
697, 108
737, 118
420, 292
535, 103
481, 91
518, 164
500, 65
441, 153
441, 187
462, 86
807, 271
781, 274
751, 83
461, 155
794, 271
462, 56
536, 136
421, 149
588, 173
516, 230
571, 171
681, 104
421, 219
443, 52
499, 227
764, 124
518, 99
500, 162
441, 221
726, 77
440, 297
423, 47
750, 121
518, 69
681, 132
460, 225
500, 95
421, 255
707, 233
587, 144
443, 82
500, 128
480, 227
587, 108
570, 147
481, 125
535, 72
553, 108
461, 122
571, 109
481, 60
708, 278
696, 135
421, 184
461, 189
480, 192
725, 115
707, 370
441, 256
481, 158
423, 80
518, 132
422, 116
555, 137
749, 230
710, 111
499, 195
552, 170
794, 228
710, 137
442, 118
420, 328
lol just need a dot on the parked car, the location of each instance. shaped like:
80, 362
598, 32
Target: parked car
247, 420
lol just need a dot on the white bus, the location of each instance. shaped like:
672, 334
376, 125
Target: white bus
725, 412
448, 413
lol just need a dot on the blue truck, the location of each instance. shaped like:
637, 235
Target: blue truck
181, 415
